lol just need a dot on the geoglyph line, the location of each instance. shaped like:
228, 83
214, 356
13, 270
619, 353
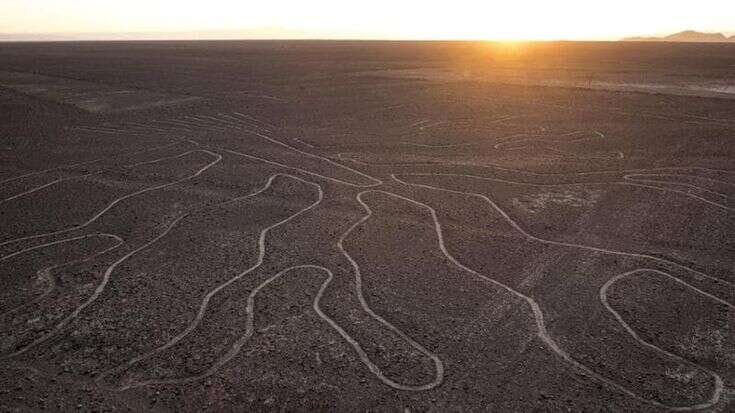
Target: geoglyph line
48, 170
719, 386
225, 123
507, 139
235, 349
46, 185
542, 332
98, 291
69, 318
628, 179
526, 234
108, 274
237, 346
86, 162
295, 168
643, 178
705, 120
46, 272
503, 142
540, 139
221, 122
248, 124
361, 297
250, 329
572, 155
207, 298
206, 121
262, 122
122, 198
375, 181
252, 123
57, 181
307, 144
717, 181
314, 156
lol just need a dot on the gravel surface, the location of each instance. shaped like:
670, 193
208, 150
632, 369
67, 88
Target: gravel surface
270, 226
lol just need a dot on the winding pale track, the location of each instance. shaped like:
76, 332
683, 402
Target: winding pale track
202, 125
526, 234
57, 181
208, 297
56, 168
637, 179
109, 206
538, 314
237, 346
246, 123
46, 272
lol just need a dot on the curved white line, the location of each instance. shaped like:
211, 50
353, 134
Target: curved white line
542, 332
208, 297
628, 182
523, 232
717, 181
122, 198
262, 122
48, 170
38, 188
439, 366
57, 181
295, 168
541, 139
67, 319
222, 124
46, 272
311, 155
719, 386
642, 178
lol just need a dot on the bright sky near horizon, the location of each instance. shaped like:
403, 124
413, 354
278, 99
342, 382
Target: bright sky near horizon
380, 19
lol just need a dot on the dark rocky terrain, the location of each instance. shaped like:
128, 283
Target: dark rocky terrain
331, 226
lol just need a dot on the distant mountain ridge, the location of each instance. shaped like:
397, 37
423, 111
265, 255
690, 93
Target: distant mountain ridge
686, 36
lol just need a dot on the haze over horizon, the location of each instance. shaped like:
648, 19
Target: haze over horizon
381, 19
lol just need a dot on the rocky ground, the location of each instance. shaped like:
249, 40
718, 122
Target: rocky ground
288, 226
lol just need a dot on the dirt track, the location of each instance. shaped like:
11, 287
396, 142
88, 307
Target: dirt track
273, 225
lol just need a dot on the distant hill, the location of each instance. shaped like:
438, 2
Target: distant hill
686, 36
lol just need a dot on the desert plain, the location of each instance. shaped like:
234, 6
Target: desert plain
367, 226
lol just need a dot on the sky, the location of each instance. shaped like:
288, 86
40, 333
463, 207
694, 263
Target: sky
374, 19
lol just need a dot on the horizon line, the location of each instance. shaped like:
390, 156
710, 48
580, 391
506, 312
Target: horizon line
269, 34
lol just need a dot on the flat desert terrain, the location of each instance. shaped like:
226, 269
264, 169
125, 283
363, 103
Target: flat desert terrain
367, 226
